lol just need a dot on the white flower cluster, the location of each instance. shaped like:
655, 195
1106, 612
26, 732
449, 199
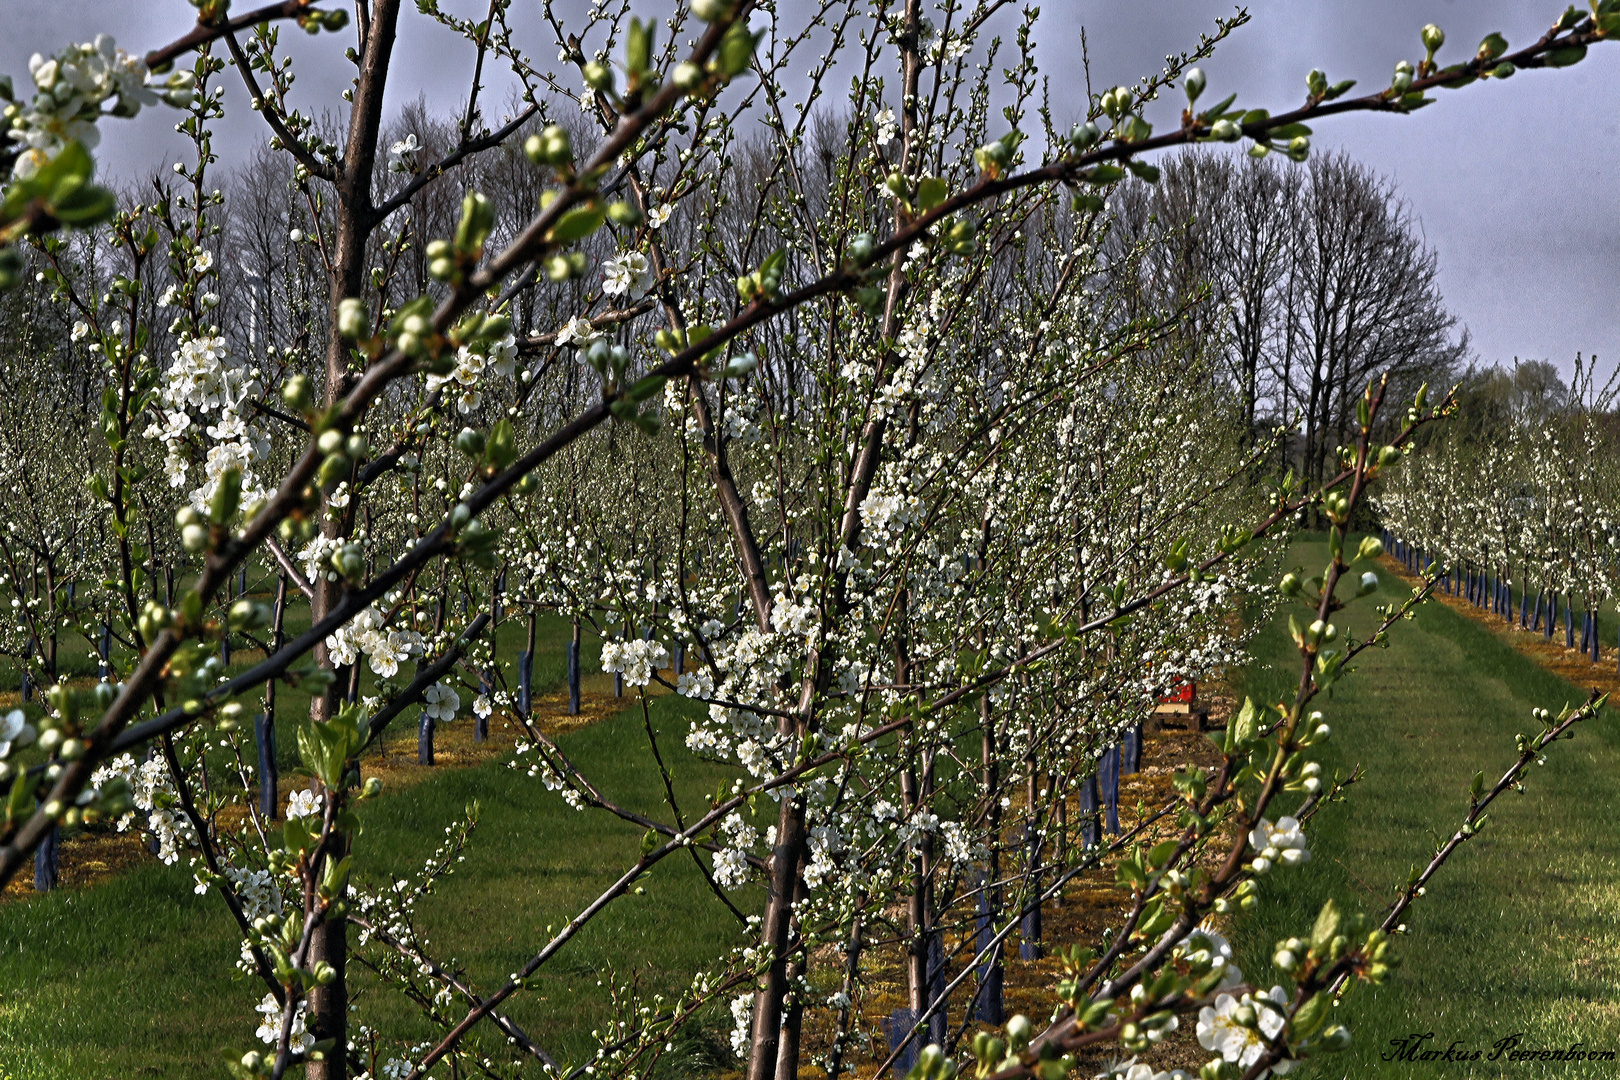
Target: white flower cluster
630, 275
206, 378
1239, 1028
636, 659
1283, 842
154, 795
270, 1026
577, 331
367, 634
15, 733
440, 702
70, 89
471, 366
788, 617
731, 861
742, 1021
315, 557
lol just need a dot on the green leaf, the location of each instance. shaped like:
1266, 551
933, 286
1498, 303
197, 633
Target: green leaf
1147, 172
638, 46
1105, 173
1311, 1014
1241, 729
1567, 56
646, 388
1326, 928
578, 223
931, 191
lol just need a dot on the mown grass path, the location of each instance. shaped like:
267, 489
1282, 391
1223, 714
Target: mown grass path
1520, 934
132, 975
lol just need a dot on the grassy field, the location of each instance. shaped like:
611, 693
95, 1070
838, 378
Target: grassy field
1517, 935
132, 977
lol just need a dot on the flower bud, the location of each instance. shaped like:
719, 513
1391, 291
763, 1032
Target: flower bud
624, 213
1193, 83
333, 469
1019, 1030
1371, 548
1084, 136
551, 147
687, 76
248, 614
1285, 960
1433, 38
1403, 78
298, 393
1226, 131
713, 10
330, 442
352, 318
194, 537
598, 76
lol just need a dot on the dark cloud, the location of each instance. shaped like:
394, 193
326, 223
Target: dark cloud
1514, 183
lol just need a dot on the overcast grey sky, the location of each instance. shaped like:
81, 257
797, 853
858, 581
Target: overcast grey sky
1514, 182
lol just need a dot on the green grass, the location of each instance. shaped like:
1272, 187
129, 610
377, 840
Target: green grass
1517, 934
134, 977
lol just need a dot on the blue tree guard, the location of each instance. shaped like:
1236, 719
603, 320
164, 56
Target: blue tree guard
481, 723
264, 733
934, 980
525, 680
1131, 762
1109, 767
1569, 626
1090, 831
989, 1004
48, 862
895, 1028
1029, 928
573, 678
424, 740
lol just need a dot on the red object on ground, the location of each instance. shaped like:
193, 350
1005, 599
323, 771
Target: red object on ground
1181, 695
